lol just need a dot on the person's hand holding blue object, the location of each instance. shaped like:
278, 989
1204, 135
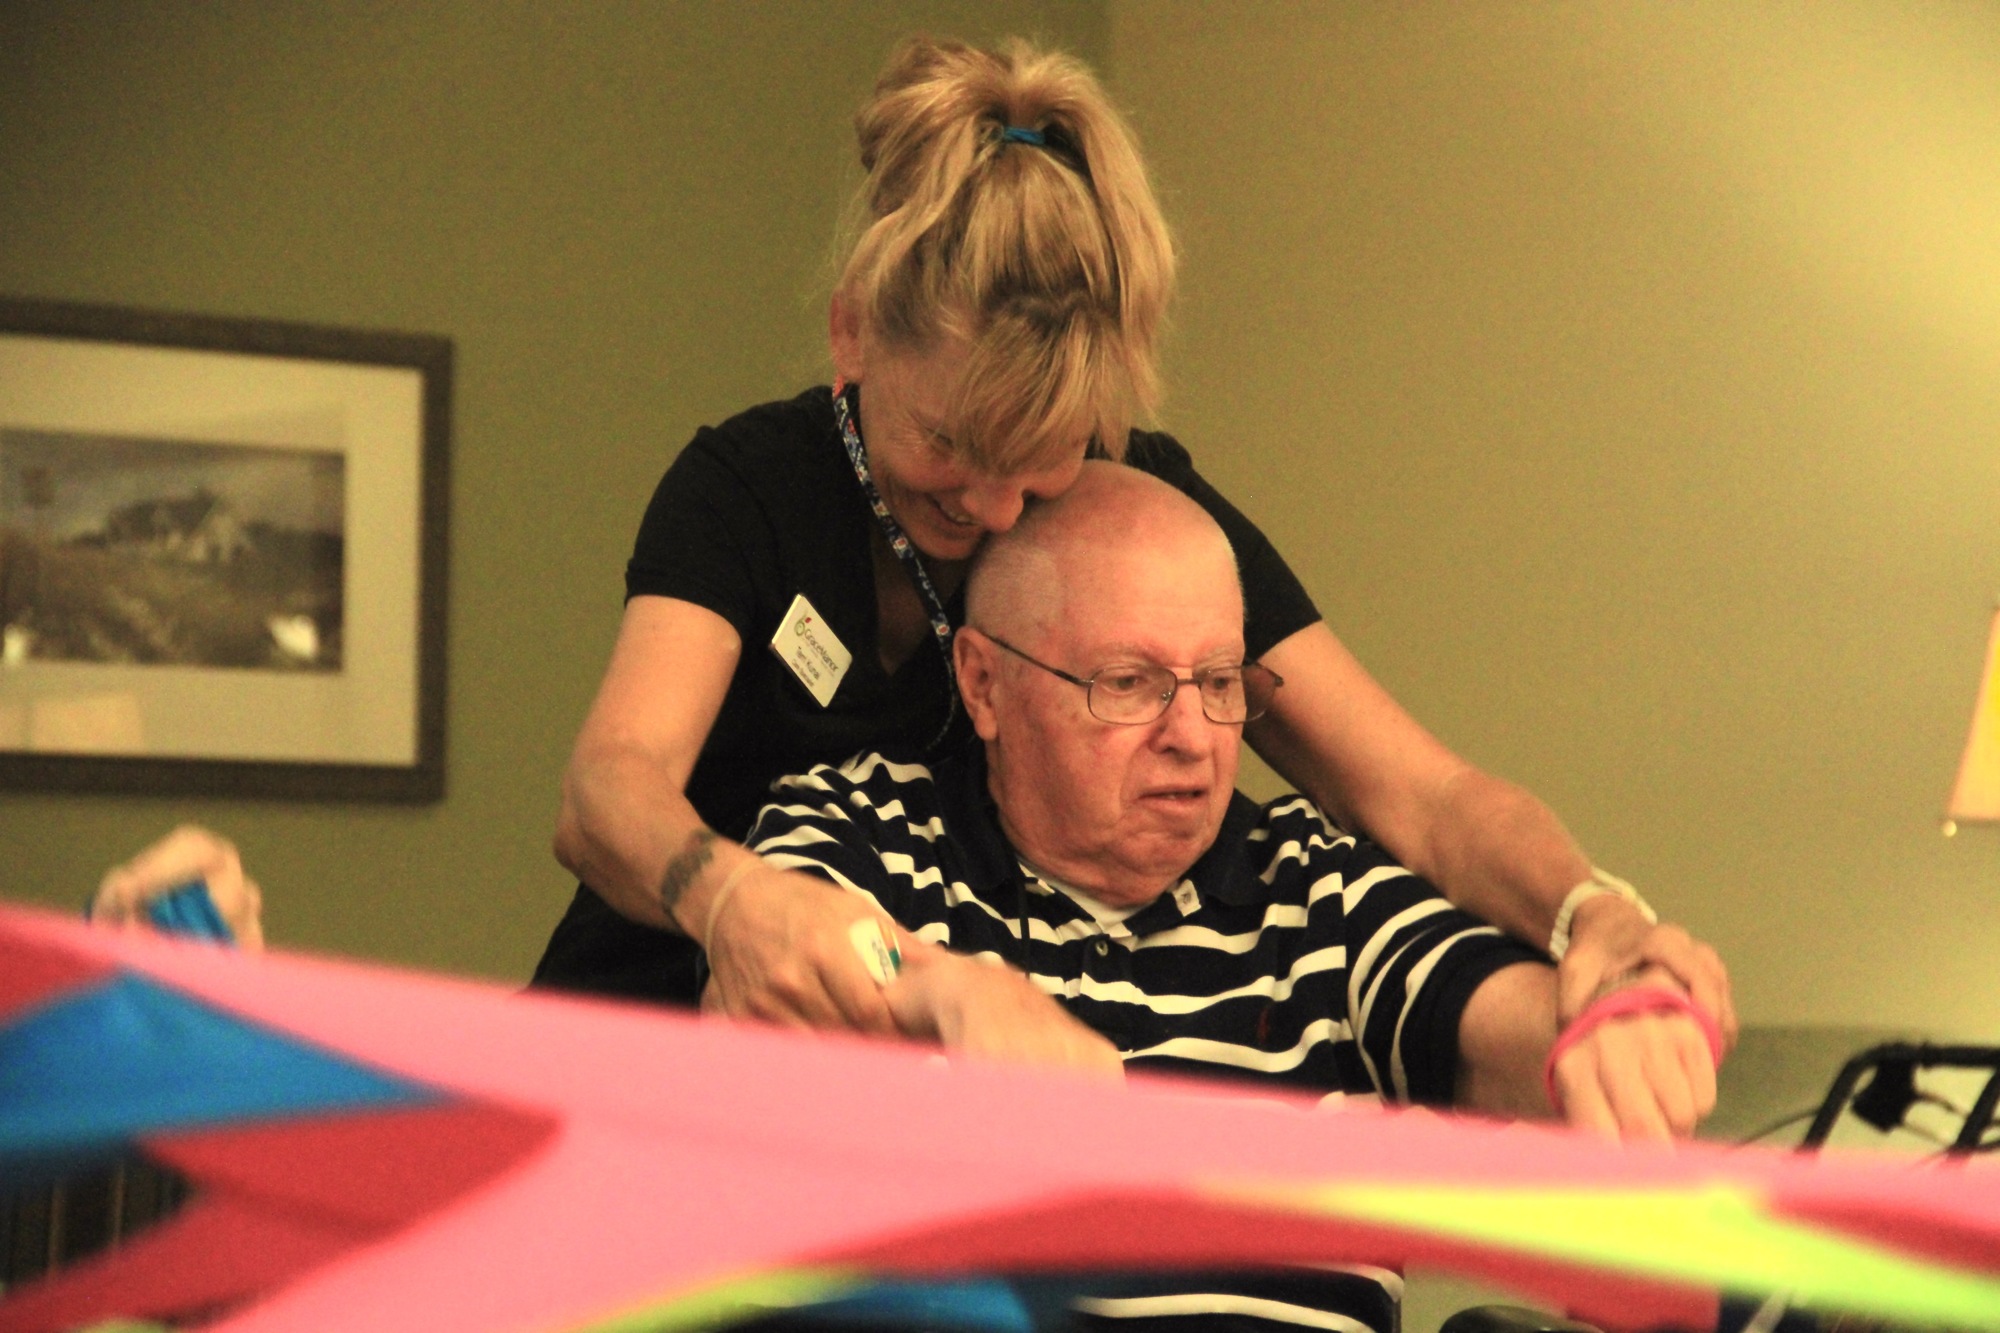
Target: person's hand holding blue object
188, 910
190, 882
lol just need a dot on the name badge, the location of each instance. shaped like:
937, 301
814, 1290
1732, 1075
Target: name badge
807, 644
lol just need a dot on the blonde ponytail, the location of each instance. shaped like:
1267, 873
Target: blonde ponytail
1048, 259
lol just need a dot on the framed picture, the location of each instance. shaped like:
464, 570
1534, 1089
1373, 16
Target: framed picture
222, 555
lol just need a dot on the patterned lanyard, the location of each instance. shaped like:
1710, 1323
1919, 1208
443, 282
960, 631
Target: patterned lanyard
906, 551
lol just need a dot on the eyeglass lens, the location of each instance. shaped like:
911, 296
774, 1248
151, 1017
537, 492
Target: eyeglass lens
1133, 694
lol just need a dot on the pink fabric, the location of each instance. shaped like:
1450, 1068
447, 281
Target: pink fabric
1143, 1231
1619, 1003
689, 1152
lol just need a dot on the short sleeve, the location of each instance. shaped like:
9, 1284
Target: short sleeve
1415, 963
702, 538
1275, 604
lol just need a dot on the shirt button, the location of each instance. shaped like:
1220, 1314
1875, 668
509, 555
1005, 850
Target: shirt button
1102, 948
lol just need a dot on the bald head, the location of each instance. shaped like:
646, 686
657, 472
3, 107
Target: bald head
1078, 548
1120, 578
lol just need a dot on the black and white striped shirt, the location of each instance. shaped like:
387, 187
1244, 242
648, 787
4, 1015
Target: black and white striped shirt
1291, 953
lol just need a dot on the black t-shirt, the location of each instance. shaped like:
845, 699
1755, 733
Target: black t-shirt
753, 513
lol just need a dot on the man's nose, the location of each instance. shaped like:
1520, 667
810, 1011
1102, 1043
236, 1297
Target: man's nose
1184, 728
995, 503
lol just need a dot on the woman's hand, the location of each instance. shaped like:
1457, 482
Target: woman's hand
1610, 940
188, 853
779, 950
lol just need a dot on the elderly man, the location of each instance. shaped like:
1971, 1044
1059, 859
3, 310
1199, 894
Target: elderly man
1142, 909
1089, 885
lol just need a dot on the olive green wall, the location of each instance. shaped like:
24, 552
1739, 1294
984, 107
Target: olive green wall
1621, 378
619, 212
1625, 382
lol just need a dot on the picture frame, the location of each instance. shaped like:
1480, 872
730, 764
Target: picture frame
223, 555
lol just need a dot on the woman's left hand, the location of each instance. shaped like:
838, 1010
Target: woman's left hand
1610, 939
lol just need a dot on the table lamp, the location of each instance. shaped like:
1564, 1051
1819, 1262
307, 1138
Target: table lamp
1976, 794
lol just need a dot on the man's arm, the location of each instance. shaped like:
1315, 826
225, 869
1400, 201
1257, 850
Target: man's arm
1445, 1009
1645, 1076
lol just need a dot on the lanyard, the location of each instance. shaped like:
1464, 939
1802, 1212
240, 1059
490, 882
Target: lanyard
906, 551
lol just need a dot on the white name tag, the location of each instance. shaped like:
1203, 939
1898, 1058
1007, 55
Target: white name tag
808, 645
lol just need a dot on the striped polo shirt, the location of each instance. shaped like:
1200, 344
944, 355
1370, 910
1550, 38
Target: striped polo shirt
1290, 954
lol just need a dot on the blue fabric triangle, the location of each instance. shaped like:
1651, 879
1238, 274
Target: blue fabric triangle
101, 1065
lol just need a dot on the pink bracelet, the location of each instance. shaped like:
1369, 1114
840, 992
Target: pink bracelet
1630, 1000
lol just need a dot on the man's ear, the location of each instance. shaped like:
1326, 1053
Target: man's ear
843, 332
977, 661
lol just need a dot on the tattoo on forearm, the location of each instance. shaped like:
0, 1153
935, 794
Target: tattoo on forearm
687, 863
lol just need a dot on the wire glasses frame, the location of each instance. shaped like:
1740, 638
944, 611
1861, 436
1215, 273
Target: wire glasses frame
1135, 694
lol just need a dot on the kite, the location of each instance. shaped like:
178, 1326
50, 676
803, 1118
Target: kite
385, 1150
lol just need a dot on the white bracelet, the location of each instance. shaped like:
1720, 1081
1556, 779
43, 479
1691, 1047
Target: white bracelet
728, 886
1600, 881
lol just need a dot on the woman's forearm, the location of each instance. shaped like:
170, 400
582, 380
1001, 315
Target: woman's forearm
626, 827
1499, 853
627, 831
1490, 846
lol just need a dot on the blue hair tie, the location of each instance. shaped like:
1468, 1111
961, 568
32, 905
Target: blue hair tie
1015, 134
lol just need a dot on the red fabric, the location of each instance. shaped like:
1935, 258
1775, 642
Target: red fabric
35, 972
216, 1252
275, 1200
1920, 1232
371, 1170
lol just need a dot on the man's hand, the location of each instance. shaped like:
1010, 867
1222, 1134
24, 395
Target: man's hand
188, 853
779, 950
991, 1012
1610, 940
1642, 1076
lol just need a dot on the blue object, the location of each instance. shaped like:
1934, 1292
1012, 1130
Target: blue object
99, 1066
189, 910
1016, 134
973, 1305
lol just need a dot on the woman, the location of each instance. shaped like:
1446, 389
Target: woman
998, 315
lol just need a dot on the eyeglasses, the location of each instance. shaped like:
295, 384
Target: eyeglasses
1131, 695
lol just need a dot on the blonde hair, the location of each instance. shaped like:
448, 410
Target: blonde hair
1051, 262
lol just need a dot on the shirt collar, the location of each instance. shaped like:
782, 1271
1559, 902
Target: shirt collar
1225, 872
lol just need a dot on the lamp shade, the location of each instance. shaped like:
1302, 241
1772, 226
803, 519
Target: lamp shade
1976, 794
